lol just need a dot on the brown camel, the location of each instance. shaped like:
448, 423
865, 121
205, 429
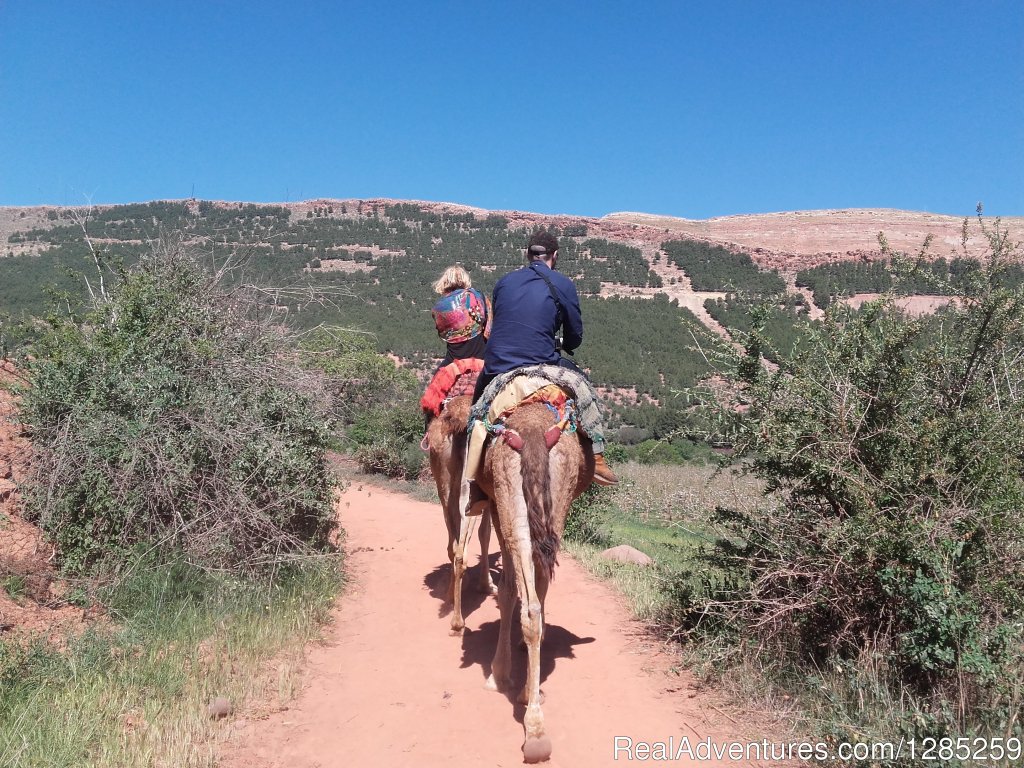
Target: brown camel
447, 439
530, 491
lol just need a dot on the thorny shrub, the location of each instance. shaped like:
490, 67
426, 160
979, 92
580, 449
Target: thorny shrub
892, 451
375, 402
175, 415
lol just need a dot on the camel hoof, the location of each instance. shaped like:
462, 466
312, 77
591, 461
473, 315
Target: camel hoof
487, 588
537, 750
497, 684
456, 629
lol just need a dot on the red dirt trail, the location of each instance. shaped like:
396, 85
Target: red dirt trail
391, 688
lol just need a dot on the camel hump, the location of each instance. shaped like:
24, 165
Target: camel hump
449, 428
456, 413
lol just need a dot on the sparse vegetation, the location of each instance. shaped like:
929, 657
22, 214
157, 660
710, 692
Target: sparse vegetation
886, 562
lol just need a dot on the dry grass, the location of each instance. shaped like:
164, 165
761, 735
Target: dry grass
662, 510
137, 694
643, 587
682, 495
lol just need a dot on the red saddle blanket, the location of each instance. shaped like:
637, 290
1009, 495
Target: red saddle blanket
453, 380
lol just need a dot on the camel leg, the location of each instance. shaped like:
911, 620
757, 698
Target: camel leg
447, 471
500, 678
452, 523
458, 569
449, 597
537, 746
486, 585
453, 540
459, 559
542, 591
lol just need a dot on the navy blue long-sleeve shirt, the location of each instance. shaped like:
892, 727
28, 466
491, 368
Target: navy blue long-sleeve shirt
526, 319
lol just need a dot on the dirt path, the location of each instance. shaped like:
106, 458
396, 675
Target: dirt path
391, 687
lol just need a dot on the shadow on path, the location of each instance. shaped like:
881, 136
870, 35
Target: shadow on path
478, 648
439, 578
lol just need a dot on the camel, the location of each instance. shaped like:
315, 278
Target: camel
530, 491
447, 445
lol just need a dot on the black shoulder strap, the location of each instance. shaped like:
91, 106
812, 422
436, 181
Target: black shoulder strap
554, 295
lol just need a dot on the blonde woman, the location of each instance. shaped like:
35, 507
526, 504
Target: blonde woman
462, 317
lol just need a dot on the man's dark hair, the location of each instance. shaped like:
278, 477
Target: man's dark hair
542, 243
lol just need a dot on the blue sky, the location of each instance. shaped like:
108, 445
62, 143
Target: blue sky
691, 109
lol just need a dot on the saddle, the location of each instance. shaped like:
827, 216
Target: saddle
517, 392
453, 380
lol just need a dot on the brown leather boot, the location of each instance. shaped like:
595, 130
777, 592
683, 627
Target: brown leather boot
603, 474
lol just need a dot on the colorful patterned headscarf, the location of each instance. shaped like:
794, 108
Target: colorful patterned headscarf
461, 315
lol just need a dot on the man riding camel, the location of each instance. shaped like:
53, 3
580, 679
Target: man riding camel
530, 306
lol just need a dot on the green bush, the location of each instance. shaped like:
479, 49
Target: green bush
387, 438
588, 517
375, 401
392, 457
357, 376
892, 449
175, 414
678, 451
655, 452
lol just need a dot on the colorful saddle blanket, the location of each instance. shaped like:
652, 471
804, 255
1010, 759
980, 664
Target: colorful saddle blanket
453, 380
567, 393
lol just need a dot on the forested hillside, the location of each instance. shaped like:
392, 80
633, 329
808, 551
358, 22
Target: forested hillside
714, 268
369, 266
938, 277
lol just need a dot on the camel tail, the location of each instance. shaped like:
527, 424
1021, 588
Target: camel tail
537, 494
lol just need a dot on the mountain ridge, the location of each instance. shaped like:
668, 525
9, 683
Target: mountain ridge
786, 241
649, 284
